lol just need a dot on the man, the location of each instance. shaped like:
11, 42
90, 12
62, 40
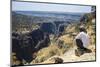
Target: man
82, 41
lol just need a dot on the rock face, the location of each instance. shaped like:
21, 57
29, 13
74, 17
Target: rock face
24, 45
57, 60
54, 60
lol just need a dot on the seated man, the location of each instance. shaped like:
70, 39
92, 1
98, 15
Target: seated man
82, 41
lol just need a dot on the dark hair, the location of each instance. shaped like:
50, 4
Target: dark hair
83, 30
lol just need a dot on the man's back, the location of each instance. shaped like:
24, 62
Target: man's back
84, 37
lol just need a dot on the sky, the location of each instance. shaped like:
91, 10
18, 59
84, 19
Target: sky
31, 6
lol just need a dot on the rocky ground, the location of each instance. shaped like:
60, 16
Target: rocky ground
70, 56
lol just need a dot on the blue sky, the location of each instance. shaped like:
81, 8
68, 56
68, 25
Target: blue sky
30, 6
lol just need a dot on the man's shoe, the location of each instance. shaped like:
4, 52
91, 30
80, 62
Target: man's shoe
88, 51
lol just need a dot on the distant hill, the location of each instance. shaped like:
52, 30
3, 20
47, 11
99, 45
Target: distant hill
45, 16
26, 18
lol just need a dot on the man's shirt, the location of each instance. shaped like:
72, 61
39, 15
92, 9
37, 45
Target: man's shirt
84, 37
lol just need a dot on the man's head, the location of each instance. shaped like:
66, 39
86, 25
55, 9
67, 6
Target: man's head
82, 29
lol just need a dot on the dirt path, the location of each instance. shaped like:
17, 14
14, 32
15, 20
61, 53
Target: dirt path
70, 56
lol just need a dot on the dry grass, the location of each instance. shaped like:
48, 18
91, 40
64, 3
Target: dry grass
46, 53
67, 39
54, 49
14, 59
